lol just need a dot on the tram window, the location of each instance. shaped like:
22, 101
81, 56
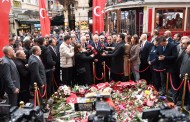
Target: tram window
169, 18
188, 19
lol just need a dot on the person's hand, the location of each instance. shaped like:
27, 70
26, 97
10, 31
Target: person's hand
161, 57
42, 86
103, 54
92, 48
92, 55
95, 60
149, 62
16, 91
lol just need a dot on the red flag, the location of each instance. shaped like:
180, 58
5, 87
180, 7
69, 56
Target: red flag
44, 19
4, 23
98, 15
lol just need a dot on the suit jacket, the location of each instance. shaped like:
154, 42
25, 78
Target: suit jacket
37, 70
24, 74
11, 75
185, 66
134, 54
46, 58
98, 49
54, 54
170, 54
144, 52
117, 64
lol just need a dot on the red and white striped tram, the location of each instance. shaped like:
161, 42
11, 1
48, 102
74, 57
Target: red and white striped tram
138, 16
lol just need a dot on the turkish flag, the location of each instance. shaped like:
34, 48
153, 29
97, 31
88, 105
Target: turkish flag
98, 15
44, 19
5, 6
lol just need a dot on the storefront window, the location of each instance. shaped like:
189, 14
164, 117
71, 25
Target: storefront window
169, 18
188, 18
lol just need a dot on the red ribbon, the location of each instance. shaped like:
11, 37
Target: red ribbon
44, 94
171, 82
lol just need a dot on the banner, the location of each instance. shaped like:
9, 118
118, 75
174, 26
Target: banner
44, 19
4, 24
98, 15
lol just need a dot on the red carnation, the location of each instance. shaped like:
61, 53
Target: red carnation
89, 46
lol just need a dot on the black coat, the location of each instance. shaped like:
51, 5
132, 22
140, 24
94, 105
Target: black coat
153, 57
24, 74
117, 63
11, 75
83, 61
170, 54
46, 58
144, 52
185, 66
54, 55
37, 70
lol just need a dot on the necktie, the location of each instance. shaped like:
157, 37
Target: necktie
164, 48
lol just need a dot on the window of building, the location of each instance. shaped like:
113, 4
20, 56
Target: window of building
188, 18
169, 18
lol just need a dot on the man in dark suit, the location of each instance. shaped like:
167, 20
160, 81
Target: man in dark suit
88, 40
11, 76
117, 63
109, 46
48, 63
36, 67
53, 50
98, 65
167, 54
144, 53
22, 66
168, 36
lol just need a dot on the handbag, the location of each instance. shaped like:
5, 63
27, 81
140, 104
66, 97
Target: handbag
81, 70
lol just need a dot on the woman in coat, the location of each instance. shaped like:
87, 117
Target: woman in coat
126, 57
82, 63
134, 57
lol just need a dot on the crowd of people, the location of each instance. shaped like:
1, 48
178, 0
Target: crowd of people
70, 58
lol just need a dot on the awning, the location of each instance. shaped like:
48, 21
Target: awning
29, 21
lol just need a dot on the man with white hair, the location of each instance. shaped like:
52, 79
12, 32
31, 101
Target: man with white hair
144, 53
83, 42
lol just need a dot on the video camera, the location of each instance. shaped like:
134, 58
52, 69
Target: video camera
164, 114
25, 114
104, 112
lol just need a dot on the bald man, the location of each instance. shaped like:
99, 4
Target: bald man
168, 36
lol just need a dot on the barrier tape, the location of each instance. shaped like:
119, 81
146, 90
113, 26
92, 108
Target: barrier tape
159, 70
44, 94
94, 72
54, 81
141, 70
171, 82
115, 73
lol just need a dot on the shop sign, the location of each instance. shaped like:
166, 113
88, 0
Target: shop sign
83, 25
24, 26
17, 4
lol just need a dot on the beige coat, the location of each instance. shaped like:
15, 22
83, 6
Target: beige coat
66, 55
126, 58
134, 53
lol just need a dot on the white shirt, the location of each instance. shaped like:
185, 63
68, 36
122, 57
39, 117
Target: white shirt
143, 43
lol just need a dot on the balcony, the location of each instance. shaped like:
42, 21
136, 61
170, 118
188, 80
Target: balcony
114, 2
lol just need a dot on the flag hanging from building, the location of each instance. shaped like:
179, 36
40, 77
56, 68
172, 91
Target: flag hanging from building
98, 15
5, 6
44, 18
